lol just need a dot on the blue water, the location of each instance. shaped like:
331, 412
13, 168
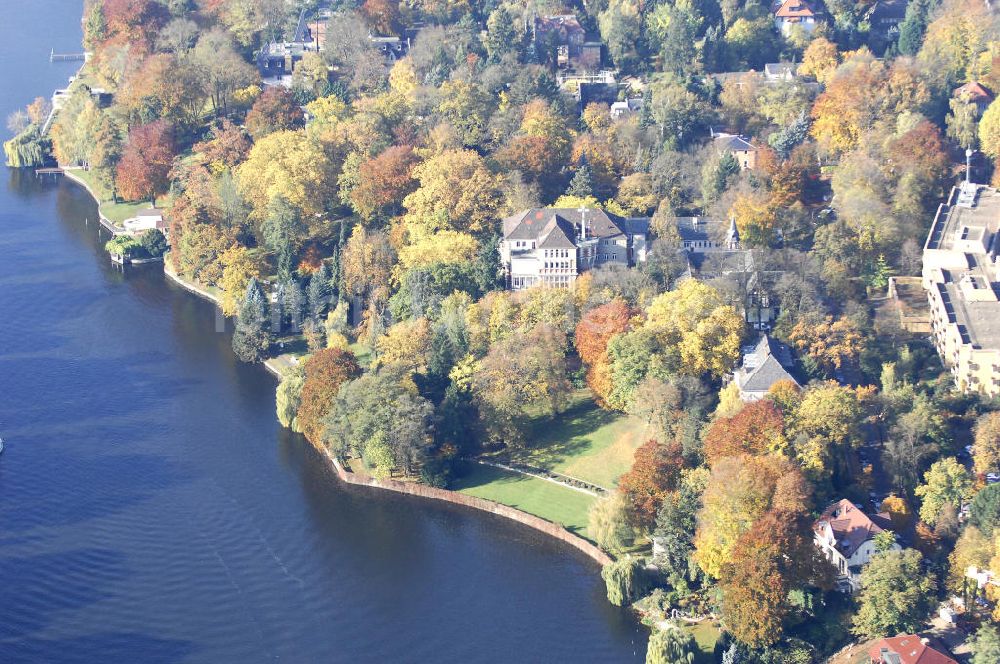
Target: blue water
152, 510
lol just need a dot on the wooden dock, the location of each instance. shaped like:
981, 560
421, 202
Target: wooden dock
54, 170
67, 57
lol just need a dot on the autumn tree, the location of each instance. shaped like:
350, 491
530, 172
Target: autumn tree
696, 321
227, 146
825, 428
275, 110
819, 60
740, 491
593, 333
238, 268
945, 483
325, 371
896, 596
654, 473
986, 446
383, 182
523, 373
757, 429
144, 169
832, 345
773, 557
541, 146
290, 164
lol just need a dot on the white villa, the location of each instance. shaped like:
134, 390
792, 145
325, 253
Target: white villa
846, 536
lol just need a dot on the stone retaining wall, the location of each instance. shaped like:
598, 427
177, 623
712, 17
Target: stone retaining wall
424, 491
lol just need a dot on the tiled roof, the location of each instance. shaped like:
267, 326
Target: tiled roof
765, 366
795, 9
909, 649
531, 224
850, 525
974, 91
699, 229
733, 143
557, 234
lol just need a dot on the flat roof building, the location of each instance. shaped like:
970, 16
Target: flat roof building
960, 274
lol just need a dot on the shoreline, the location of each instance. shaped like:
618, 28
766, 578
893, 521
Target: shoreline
532, 521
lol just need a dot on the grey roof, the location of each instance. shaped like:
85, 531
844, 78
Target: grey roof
557, 234
784, 69
532, 224
732, 143
695, 229
637, 225
887, 10
764, 366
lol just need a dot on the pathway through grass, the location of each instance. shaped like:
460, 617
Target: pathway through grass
550, 501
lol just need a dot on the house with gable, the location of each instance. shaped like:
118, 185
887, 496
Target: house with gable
802, 13
764, 364
553, 246
884, 17
976, 93
906, 649
742, 150
846, 537
573, 48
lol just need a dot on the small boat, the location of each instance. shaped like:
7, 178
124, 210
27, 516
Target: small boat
1, 445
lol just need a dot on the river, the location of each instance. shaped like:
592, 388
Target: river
152, 509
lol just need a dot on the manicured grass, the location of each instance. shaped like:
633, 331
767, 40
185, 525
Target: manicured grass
116, 212
545, 499
586, 442
706, 634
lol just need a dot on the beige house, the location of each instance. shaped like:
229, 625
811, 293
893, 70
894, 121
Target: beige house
961, 271
553, 246
743, 151
846, 537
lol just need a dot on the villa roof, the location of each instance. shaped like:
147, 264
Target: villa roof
850, 525
733, 143
907, 649
764, 366
793, 9
536, 223
974, 91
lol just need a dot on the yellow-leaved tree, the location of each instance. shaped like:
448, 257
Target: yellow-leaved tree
288, 164
238, 267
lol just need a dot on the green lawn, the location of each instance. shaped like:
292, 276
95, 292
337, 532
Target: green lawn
586, 442
706, 634
529, 494
116, 212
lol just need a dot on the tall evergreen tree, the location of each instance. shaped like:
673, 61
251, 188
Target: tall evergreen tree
293, 305
911, 30
252, 337
318, 293
282, 231
582, 184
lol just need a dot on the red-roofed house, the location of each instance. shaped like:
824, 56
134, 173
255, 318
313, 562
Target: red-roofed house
846, 536
975, 93
906, 649
791, 13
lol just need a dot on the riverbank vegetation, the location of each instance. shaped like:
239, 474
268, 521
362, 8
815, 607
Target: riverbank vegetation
358, 203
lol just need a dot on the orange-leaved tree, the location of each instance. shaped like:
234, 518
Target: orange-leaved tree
593, 333
326, 371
